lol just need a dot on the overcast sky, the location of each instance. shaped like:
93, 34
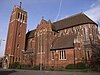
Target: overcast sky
50, 9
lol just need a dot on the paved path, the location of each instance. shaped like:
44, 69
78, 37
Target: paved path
31, 72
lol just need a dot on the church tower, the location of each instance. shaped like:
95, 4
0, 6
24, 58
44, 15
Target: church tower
15, 43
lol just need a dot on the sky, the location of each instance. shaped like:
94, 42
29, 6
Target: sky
49, 9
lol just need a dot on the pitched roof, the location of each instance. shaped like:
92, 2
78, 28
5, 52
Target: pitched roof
75, 20
63, 42
30, 34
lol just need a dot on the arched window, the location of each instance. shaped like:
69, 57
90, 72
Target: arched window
70, 32
42, 42
18, 15
19, 34
52, 55
17, 45
77, 31
21, 16
30, 43
85, 34
88, 53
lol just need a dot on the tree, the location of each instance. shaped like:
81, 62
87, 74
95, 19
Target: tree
95, 55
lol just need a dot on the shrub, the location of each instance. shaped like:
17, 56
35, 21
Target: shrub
36, 67
79, 65
26, 66
70, 66
50, 68
15, 65
59, 68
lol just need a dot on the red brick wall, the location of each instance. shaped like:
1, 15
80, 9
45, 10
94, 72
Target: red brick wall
57, 62
16, 26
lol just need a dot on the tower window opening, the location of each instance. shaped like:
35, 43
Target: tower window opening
21, 16
30, 43
18, 15
17, 45
19, 34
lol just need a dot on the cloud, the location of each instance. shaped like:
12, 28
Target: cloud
94, 4
99, 30
94, 12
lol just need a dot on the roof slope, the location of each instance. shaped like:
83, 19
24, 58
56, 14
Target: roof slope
30, 34
63, 42
77, 19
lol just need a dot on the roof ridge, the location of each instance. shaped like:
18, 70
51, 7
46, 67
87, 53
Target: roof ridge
70, 16
31, 30
77, 19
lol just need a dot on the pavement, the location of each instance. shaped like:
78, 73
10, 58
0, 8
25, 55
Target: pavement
32, 72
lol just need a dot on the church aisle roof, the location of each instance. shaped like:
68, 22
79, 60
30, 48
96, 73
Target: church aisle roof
30, 34
63, 42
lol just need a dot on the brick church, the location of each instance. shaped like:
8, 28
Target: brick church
51, 44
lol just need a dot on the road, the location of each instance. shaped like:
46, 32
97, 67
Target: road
31, 72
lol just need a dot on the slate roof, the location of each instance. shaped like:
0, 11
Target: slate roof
30, 34
63, 42
75, 20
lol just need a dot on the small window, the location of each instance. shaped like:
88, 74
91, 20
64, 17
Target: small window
52, 55
60, 34
23, 17
88, 55
30, 43
17, 45
19, 59
85, 34
54, 33
42, 42
62, 54
70, 32
13, 59
16, 58
18, 15
19, 34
